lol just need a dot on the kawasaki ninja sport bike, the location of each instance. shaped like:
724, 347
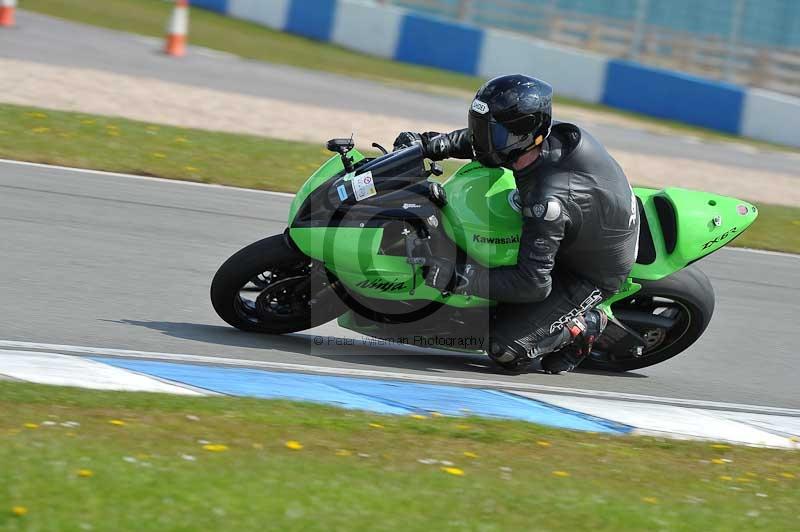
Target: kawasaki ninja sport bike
360, 230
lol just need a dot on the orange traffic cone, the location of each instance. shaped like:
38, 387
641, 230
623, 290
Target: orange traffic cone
178, 29
7, 8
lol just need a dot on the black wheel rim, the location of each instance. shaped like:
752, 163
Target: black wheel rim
281, 293
657, 339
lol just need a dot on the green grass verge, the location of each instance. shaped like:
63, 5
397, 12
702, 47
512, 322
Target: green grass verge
137, 462
120, 145
148, 17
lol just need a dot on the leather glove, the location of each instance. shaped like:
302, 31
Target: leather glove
448, 277
435, 146
406, 139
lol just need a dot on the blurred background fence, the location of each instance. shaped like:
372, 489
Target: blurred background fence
749, 42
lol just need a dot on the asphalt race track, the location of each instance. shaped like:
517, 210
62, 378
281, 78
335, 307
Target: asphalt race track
53, 41
117, 262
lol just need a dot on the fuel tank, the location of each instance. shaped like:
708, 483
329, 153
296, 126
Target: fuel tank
483, 214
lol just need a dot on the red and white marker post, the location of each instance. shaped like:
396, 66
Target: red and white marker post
177, 30
7, 8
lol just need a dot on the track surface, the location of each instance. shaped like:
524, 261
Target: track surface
116, 262
53, 41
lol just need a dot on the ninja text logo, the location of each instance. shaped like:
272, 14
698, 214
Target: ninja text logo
383, 285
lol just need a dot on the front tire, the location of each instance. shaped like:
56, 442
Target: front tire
686, 296
291, 293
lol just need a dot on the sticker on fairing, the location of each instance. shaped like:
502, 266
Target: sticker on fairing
364, 186
342, 192
480, 107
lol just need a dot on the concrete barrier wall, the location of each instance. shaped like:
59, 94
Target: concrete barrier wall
411, 37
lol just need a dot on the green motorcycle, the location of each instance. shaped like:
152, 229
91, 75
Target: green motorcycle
360, 230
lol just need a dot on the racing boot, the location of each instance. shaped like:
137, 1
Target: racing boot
513, 359
583, 330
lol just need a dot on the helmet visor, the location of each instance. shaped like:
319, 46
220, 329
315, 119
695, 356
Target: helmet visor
494, 143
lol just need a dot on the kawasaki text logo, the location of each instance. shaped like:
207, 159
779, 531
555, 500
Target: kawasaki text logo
383, 285
505, 240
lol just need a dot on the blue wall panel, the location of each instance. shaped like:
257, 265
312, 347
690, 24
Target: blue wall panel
437, 43
311, 18
673, 96
220, 6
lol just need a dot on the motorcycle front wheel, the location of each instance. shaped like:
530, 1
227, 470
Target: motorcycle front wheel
270, 287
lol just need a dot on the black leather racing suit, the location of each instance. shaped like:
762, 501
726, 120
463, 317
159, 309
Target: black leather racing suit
578, 244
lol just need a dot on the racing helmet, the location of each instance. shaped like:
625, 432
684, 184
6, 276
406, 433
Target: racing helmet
509, 116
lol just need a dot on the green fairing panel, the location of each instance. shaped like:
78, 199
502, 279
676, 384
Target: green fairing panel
483, 218
704, 223
329, 168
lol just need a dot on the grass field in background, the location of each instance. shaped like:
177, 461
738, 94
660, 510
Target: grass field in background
75, 459
245, 39
120, 145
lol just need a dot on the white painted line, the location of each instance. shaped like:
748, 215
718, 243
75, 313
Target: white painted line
414, 377
253, 190
765, 252
144, 178
674, 421
64, 370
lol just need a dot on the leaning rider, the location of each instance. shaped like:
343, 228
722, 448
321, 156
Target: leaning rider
579, 234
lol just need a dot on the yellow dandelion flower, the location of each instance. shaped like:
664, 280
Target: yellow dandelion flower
650, 500
343, 452
463, 426
294, 445
85, 473
159, 155
717, 461
87, 122
190, 168
720, 446
419, 416
560, 474
112, 126
113, 133
725, 477
70, 434
542, 443
436, 414
19, 511
31, 426
117, 422
786, 474
40, 129
744, 479
453, 471
751, 474
258, 446
215, 447
770, 479
470, 454
181, 140
376, 425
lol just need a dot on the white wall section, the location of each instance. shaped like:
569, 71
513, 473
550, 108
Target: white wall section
772, 117
270, 13
572, 73
367, 27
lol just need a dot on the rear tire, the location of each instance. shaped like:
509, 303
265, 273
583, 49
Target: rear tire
691, 290
273, 254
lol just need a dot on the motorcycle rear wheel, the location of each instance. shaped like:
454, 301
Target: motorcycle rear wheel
685, 297
292, 293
